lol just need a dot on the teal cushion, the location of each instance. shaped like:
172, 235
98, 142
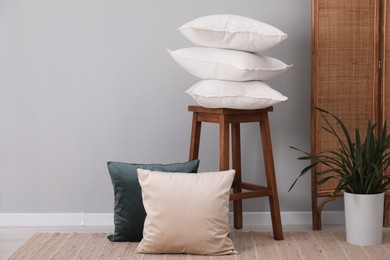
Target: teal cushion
129, 211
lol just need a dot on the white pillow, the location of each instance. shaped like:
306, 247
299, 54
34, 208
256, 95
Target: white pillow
186, 213
232, 32
213, 63
236, 95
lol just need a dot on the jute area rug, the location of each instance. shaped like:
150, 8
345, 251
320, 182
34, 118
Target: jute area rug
250, 245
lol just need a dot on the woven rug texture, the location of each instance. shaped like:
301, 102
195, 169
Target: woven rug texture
250, 245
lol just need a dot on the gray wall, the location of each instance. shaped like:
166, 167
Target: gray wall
85, 82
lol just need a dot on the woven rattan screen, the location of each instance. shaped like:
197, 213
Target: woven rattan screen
345, 71
347, 59
384, 111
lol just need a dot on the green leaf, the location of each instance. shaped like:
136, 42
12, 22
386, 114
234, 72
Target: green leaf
359, 167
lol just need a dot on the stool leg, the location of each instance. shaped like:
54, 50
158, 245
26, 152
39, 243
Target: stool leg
223, 144
195, 137
236, 154
270, 175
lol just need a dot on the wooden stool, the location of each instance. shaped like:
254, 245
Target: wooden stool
234, 117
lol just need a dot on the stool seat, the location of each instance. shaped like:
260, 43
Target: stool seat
241, 190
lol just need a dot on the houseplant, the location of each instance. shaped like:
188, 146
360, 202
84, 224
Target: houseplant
358, 166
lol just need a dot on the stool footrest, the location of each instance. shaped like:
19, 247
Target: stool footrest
249, 194
250, 186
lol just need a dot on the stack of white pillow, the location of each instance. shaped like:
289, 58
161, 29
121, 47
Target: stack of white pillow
229, 63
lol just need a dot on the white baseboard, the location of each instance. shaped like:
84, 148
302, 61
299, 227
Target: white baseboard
106, 219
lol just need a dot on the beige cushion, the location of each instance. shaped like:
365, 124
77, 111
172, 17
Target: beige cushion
186, 213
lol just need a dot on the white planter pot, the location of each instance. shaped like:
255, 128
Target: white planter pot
364, 218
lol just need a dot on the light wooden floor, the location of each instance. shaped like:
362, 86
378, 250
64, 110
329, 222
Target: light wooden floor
13, 237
